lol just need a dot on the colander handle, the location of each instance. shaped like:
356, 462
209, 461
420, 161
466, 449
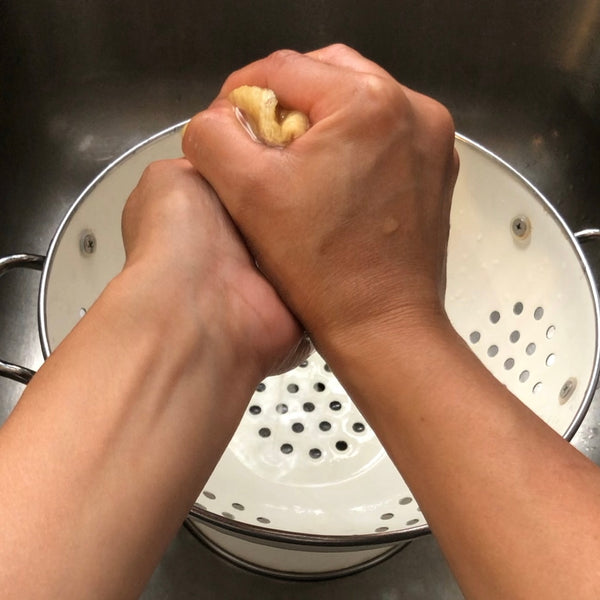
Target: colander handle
587, 235
26, 261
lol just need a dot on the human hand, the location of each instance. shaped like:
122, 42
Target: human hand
176, 230
148, 387
350, 221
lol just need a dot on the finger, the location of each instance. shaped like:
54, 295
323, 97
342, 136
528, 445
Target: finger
300, 82
222, 151
344, 57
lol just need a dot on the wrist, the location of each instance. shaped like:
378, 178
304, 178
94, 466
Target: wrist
406, 332
393, 362
187, 325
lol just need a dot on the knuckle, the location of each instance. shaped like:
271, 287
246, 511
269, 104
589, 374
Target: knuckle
370, 88
154, 171
231, 81
380, 100
282, 60
442, 130
339, 49
162, 169
283, 55
205, 117
213, 118
442, 120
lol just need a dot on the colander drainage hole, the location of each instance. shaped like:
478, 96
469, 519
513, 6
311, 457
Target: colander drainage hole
314, 453
530, 349
327, 367
261, 387
263, 520
509, 363
287, 448
386, 516
524, 376
550, 332
308, 407
281, 408
538, 313
335, 405
255, 409
494, 316
324, 425
297, 428
238, 506
412, 522
537, 388
550, 360
303, 364
319, 387
515, 336
209, 495
518, 308
405, 500
228, 515
381, 529
341, 446
492, 350
358, 427
264, 432
474, 336
292, 388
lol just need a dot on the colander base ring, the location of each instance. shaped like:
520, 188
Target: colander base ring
236, 559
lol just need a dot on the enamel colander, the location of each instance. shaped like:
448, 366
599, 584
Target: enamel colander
305, 489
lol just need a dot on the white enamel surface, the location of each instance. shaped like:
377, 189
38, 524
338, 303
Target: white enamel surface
313, 560
75, 279
490, 270
353, 488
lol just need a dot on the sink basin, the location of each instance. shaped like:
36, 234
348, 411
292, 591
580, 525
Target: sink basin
83, 82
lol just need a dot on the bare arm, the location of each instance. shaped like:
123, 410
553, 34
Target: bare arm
114, 437
351, 224
515, 508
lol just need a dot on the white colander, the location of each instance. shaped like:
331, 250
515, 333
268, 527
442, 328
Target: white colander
305, 489
305, 460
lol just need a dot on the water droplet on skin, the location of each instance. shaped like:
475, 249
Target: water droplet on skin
390, 225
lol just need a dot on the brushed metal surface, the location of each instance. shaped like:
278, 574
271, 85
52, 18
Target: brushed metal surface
84, 81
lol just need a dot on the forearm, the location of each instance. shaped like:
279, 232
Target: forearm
510, 501
112, 441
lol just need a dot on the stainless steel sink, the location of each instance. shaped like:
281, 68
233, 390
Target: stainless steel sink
84, 81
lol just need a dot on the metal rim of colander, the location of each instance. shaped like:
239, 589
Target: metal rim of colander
54, 243
291, 539
280, 537
294, 575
